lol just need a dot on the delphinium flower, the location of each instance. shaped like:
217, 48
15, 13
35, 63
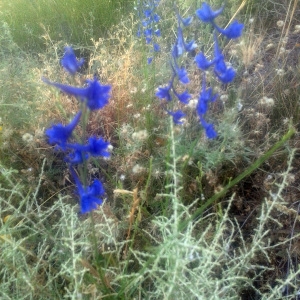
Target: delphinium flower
70, 62
221, 70
148, 24
93, 96
179, 72
59, 134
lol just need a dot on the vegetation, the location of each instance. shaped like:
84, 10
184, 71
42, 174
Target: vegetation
184, 216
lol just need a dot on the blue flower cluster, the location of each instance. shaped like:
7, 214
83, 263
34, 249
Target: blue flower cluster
93, 96
179, 72
224, 73
149, 19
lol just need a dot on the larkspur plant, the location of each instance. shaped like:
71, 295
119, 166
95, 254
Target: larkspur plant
223, 73
146, 11
93, 97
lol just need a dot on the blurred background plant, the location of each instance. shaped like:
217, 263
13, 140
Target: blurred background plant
74, 22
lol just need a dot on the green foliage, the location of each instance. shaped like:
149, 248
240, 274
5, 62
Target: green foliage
76, 22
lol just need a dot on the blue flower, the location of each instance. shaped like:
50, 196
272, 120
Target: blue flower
148, 32
190, 46
69, 61
95, 94
185, 21
147, 13
206, 14
206, 96
202, 62
177, 116
180, 46
233, 31
156, 18
183, 97
224, 73
227, 76
182, 75
77, 157
164, 93
156, 47
157, 32
59, 134
149, 60
209, 129
97, 147
89, 196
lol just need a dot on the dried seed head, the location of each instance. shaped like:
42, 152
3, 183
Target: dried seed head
267, 102
27, 138
137, 169
279, 72
140, 135
280, 23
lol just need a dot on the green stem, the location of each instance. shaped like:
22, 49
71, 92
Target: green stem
247, 172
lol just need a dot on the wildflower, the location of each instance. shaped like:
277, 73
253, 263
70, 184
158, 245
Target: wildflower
95, 94
177, 116
233, 31
206, 96
157, 33
209, 129
156, 47
182, 75
76, 158
59, 134
164, 93
89, 196
181, 46
96, 147
202, 62
183, 97
206, 14
185, 21
148, 20
225, 74
69, 61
